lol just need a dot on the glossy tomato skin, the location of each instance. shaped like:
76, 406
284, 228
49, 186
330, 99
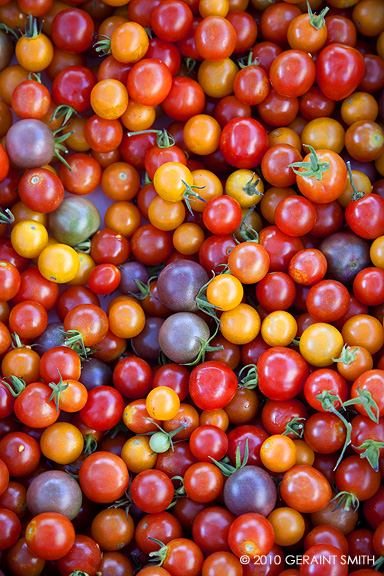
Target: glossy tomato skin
105, 401
282, 373
366, 216
212, 385
243, 142
103, 477
339, 70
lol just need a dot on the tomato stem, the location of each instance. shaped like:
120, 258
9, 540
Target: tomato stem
246, 232
227, 469
10, 30
328, 403
190, 195
365, 398
6, 216
356, 194
160, 554
161, 441
317, 22
56, 389
163, 138
251, 61
63, 110
251, 379
371, 451
90, 444
313, 168
251, 187
103, 45
347, 500
17, 385
32, 30
347, 355
295, 427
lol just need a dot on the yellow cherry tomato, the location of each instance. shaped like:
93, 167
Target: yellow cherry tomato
62, 442
208, 186
278, 453
187, 238
288, 525
217, 78
29, 238
240, 325
87, 264
138, 117
320, 343
126, 318
245, 186
279, 328
171, 181
225, 292
377, 252
202, 134
165, 215
34, 50
59, 263
305, 454
21, 212
138, 455
162, 403
109, 99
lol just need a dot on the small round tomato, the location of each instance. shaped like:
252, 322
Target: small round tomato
212, 385
103, 477
320, 343
251, 535
152, 491
278, 453
305, 489
282, 373
288, 525
62, 443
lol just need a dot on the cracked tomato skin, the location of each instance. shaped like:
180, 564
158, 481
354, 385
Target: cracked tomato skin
243, 142
212, 385
339, 70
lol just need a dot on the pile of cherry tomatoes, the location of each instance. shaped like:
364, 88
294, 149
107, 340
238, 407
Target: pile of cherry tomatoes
191, 287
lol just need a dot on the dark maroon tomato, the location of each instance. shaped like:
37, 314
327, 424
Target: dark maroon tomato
72, 30
275, 21
346, 255
374, 508
109, 246
210, 529
250, 489
243, 142
133, 377
339, 70
276, 291
215, 251
250, 353
373, 80
85, 556
177, 461
73, 87
266, 52
74, 296
8, 189
329, 219
7, 400
134, 148
174, 376
10, 528
277, 414
366, 216
165, 51
151, 246
280, 247
212, 385
106, 401
239, 436
282, 373
314, 104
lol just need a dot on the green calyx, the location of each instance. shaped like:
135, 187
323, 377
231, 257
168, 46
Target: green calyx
6, 216
295, 427
226, 468
346, 500
103, 46
356, 194
145, 289
56, 390
205, 347
78, 573
248, 377
15, 33
74, 340
160, 555
317, 22
190, 195
32, 29
90, 444
16, 342
251, 61
84, 247
312, 169
190, 64
251, 186
366, 400
16, 386
328, 401
60, 147
161, 441
203, 303
371, 451
163, 138
64, 111
348, 355
246, 232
